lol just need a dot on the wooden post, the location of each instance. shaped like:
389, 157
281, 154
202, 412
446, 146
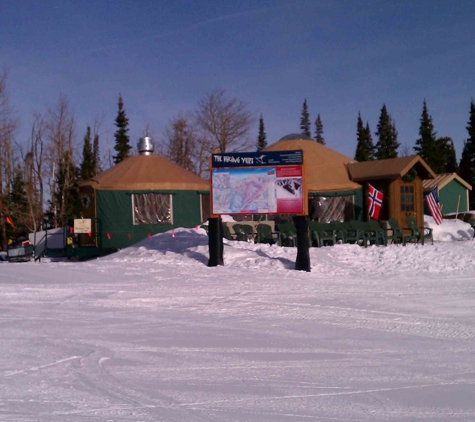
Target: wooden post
302, 262
457, 212
215, 242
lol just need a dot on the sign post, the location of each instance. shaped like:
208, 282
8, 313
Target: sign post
261, 182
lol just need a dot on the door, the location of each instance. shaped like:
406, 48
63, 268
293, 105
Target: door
87, 209
408, 203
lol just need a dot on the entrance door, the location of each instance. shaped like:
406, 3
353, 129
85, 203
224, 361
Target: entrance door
410, 202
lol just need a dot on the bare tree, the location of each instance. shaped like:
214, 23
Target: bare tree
182, 143
405, 150
224, 123
59, 129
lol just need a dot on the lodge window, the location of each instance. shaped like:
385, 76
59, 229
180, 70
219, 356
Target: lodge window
152, 208
336, 208
407, 198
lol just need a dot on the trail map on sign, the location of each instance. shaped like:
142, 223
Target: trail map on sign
257, 190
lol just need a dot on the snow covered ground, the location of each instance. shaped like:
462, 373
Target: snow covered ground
152, 334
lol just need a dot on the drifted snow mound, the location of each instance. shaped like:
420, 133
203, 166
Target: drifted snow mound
449, 230
189, 248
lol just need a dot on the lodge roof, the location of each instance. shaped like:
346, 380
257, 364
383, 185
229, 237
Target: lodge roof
326, 168
391, 168
443, 180
147, 172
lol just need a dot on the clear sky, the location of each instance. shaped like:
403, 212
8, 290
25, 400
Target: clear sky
163, 56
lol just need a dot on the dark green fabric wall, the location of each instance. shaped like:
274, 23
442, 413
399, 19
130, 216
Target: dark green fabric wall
449, 196
114, 213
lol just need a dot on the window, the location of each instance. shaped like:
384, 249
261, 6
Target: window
152, 208
337, 208
407, 198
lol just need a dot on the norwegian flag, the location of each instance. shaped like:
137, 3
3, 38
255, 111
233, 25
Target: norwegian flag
434, 205
375, 201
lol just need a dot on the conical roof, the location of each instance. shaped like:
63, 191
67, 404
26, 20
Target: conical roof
326, 169
147, 172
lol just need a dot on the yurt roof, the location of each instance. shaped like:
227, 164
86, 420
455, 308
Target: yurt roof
147, 172
326, 169
390, 168
443, 180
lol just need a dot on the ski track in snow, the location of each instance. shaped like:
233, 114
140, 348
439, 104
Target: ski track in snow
152, 334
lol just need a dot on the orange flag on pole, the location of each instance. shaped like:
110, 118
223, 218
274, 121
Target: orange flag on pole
7, 219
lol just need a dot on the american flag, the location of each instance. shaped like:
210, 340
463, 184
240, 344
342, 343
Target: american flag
375, 201
434, 205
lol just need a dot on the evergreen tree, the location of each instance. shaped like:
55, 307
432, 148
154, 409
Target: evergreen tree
364, 146
262, 137
96, 155
467, 162
122, 145
88, 165
18, 204
305, 121
426, 145
445, 157
387, 144
319, 131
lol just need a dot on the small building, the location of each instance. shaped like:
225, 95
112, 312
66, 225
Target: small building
453, 192
143, 195
400, 180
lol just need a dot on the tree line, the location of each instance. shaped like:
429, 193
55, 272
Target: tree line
39, 177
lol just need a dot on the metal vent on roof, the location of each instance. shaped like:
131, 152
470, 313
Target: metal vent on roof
145, 146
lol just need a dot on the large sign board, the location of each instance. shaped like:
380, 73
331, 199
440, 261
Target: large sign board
258, 183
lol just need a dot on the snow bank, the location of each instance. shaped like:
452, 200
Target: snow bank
449, 230
189, 247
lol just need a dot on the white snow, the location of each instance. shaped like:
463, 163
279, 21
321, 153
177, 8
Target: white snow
153, 334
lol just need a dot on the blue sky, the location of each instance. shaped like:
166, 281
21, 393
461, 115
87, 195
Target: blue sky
163, 56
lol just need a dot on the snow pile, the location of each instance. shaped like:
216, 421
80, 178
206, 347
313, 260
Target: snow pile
189, 247
449, 230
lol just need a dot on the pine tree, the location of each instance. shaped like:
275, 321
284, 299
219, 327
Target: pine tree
305, 121
122, 145
262, 137
18, 204
88, 164
426, 146
364, 146
467, 162
445, 157
387, 144
319, 131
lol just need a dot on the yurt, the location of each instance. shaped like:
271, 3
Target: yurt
327, 179
143, 195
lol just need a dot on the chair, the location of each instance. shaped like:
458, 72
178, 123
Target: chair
421, 233
397, 235
264, 234
287, 234
354, 233
244, 232
374, 233
227, 233
321, 234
